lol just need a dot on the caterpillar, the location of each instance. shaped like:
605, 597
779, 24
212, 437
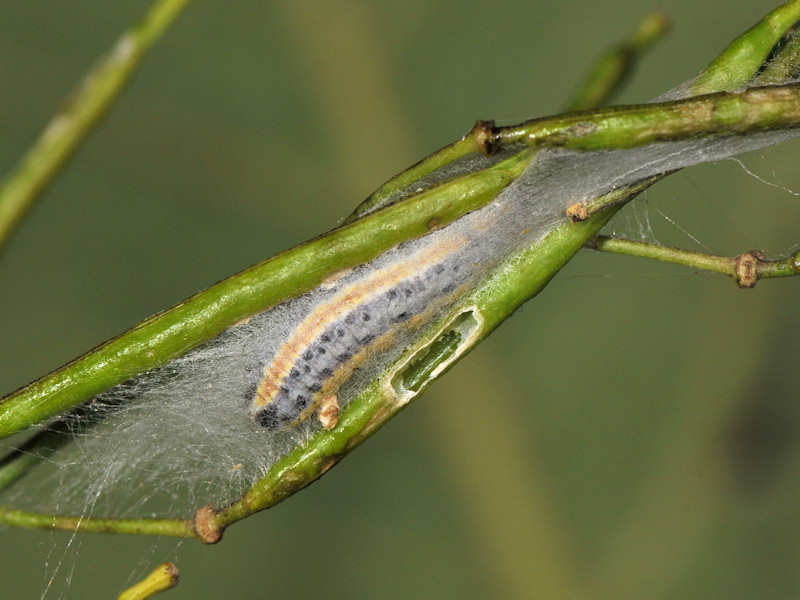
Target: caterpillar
339, 335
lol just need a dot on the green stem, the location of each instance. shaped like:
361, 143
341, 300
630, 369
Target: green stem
20, 460
603, 79
164, 577
391, 191
717, 114
743, 57
613, 67
734, 67
87, 105
32, 520
746, 269
787, 267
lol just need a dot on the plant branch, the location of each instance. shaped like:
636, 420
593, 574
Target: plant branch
735, 66
718, 114
615, 65
164, 577
745, 269
367, 234
88, 103
33, 520
29, 454
516, 280
745, 56
296, 271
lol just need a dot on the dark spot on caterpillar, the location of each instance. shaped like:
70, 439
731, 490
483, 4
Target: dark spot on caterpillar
367, 338
325, 338
340, 332
320, 350
403, 316
301, 402
250, 391
456, 268
294, 373
308, 355
408, 292
448, 288
439, 269
315, 387
344, 357
327, 371
350, 319
268, 418
365, 317
392, 294
284, 389
306, 368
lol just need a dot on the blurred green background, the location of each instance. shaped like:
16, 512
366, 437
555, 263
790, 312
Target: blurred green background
630, 433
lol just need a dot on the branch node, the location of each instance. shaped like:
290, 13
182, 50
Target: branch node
205, 525
485, 137
745, 268
796, 262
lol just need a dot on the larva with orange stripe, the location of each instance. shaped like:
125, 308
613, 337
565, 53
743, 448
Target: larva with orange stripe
362, 318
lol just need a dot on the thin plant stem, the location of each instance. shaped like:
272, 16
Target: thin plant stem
26, 456
604, 78
88, 103
615, 65
716, 114
745, 56
164, 577
32, 520
745, 269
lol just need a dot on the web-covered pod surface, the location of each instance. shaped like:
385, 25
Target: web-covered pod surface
365, 318
185, 421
